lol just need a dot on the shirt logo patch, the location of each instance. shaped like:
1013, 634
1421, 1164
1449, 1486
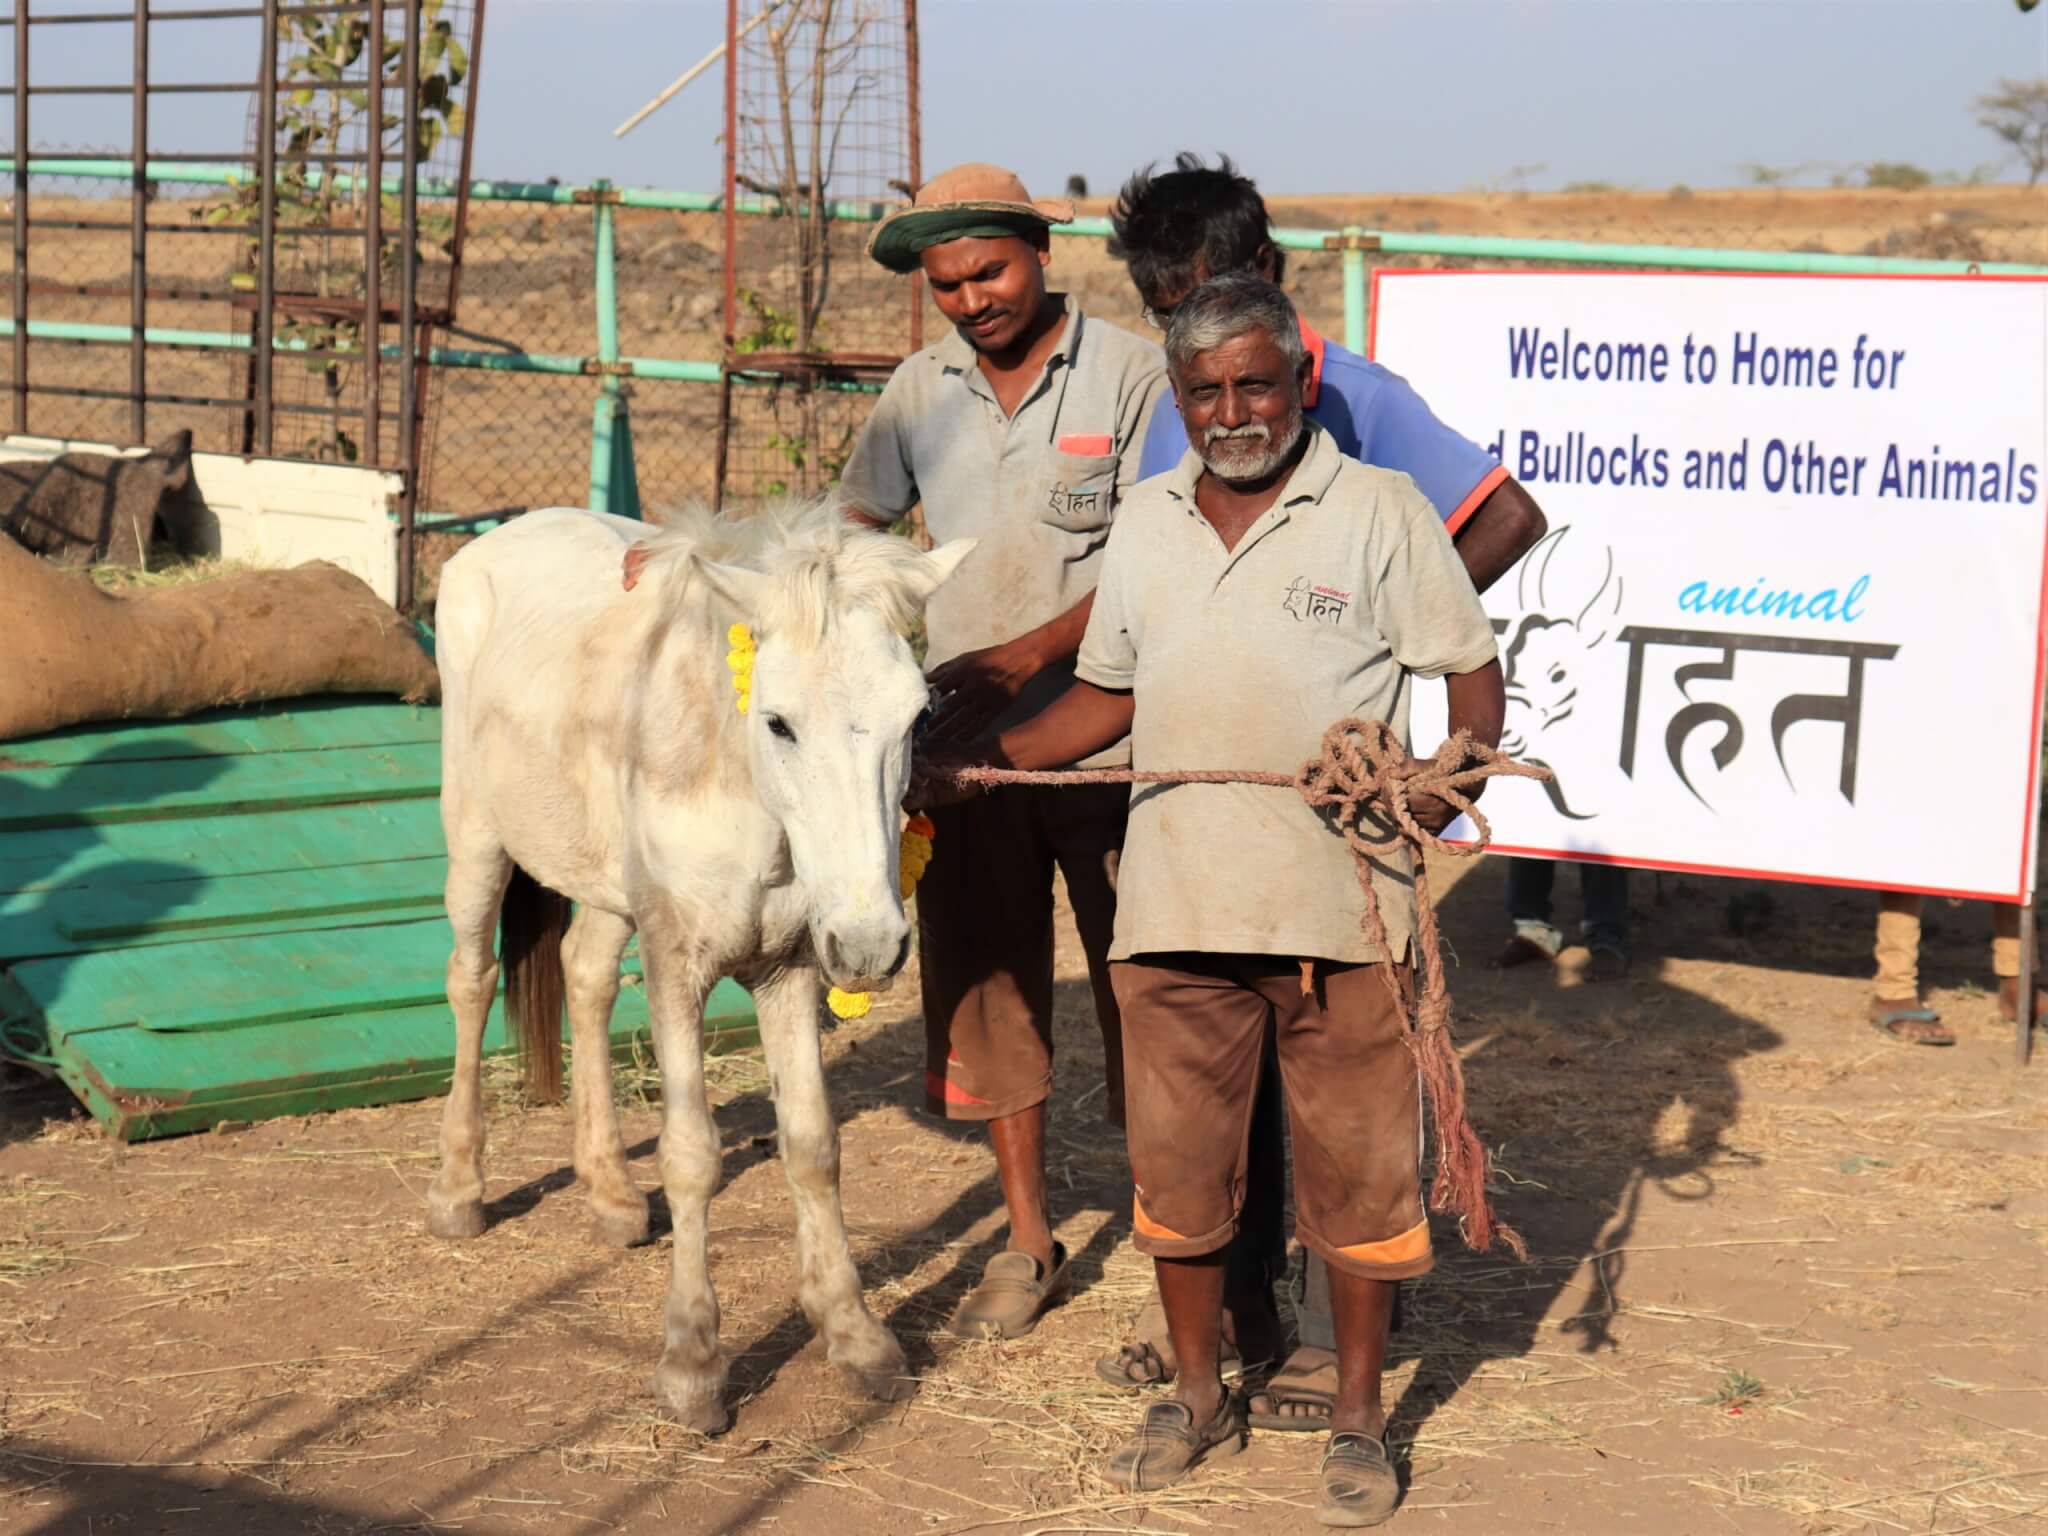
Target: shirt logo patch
1066, 503
1315, 602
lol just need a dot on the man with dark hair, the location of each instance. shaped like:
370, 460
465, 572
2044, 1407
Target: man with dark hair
1175, 231
1193, 223
1019, 429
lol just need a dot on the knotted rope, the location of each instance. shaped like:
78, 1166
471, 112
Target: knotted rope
1364, 769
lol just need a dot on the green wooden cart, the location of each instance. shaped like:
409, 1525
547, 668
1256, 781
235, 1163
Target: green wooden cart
238, 916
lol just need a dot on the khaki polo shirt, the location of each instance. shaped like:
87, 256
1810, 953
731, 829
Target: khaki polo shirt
1038, 489
1332, 602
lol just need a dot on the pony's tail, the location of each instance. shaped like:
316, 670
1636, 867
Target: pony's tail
533, 921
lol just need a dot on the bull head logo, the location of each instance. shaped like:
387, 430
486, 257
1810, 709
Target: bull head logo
1570, 596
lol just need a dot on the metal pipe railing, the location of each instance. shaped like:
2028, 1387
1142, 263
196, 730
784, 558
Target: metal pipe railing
1387, 242
1353, 243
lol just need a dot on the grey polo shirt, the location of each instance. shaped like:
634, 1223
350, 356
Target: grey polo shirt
1332, 601
1037, 489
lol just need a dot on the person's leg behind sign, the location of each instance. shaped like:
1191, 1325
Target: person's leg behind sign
1605, 927
2005, 965
985, 945
1897, 1010
1535, 936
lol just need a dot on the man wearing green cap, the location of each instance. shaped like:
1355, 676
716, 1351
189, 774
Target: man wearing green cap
1021, 429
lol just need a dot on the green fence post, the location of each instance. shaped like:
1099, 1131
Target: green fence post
1354, 290
614, 486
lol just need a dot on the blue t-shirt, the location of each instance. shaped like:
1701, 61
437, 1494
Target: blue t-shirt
1375, 417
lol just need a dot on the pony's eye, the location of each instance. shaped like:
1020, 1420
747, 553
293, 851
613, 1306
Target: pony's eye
777, 726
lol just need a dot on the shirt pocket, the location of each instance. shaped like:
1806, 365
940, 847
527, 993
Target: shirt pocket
1336, 656
1080, 493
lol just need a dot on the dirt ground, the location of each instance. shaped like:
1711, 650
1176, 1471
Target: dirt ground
1785, 1277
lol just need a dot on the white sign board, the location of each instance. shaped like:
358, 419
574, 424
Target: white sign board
1788, 620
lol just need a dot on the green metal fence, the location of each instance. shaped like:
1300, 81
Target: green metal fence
621, 287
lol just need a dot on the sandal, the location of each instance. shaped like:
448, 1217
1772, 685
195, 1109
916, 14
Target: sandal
1359, 1484
1168, 1445
1012, 1296
1309, 1378
1913, 1023
1144, 1361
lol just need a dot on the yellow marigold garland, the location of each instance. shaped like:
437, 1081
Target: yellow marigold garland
740, 661
912, 855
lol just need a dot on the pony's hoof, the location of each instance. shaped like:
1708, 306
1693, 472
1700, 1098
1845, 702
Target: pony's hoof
619, 1226
454, 1219
694, 1399
883, 1389
877, 1365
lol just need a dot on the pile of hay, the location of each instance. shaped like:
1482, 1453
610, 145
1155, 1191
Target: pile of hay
75, 653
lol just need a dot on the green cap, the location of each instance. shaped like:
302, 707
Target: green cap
966, 202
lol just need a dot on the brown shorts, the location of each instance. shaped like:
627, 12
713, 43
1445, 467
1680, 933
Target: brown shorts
1196, 1027
985, 938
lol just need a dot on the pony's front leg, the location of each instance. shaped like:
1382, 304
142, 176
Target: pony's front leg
690, 1381
828, 1285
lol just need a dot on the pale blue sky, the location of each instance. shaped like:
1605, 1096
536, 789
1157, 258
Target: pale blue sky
1365, 96
1327, 95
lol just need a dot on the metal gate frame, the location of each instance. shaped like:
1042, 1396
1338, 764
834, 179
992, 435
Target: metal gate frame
260, 407
816, 369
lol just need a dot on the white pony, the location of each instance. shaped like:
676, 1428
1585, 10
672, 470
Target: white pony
592, 752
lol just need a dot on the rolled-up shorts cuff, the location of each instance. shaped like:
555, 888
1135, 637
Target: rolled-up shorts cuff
1162, 1242
1400, 1257
949, 1101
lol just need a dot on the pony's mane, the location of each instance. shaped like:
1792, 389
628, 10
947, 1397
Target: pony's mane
817, 562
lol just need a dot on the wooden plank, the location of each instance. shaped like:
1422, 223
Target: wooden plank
84, 918
383, 1058
227, 983
140, 852
110, 791
230, 984
292, 725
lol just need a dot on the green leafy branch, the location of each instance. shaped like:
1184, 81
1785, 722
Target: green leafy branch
317, 118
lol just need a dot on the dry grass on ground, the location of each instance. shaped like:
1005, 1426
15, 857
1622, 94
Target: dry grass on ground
1785, 1277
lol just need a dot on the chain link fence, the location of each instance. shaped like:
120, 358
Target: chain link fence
509, 440
509, 407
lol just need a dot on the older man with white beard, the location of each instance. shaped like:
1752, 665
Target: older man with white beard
1264, 589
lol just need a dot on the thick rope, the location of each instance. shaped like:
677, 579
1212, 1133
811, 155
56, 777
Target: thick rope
1365, 768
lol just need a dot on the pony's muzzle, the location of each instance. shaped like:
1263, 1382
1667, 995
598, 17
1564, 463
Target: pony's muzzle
864, 956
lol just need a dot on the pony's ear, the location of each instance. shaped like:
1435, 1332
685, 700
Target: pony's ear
942, 562
743, 589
